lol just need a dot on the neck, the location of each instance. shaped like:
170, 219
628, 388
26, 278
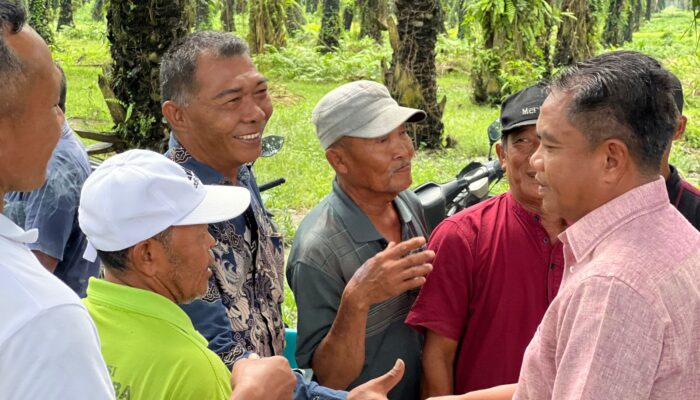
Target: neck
133, 280
372, 204
229, 170
666, 171
552, 224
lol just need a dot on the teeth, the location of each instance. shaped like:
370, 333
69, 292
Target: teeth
252, 136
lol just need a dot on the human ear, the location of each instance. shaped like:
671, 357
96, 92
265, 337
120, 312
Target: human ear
336, 158
176, 116
143, 257
617, 159
501, 152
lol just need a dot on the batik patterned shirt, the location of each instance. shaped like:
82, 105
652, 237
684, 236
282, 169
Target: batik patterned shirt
241, 311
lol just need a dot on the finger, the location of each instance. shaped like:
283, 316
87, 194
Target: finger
414, 259
387, 381
403, 248
253, 356
416, 271
409, 284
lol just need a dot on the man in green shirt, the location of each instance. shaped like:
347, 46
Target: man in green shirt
147, 218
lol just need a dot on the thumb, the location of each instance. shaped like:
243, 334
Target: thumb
253, 356
387, 381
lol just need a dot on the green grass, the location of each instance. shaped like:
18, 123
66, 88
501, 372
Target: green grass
300, 77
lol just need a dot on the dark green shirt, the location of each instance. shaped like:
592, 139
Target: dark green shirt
332, 242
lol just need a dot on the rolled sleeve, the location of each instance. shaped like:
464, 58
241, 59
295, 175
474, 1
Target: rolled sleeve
442, 305
318, 297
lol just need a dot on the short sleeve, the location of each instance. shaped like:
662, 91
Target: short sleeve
604, 342
52, 208
318, 297
56, 355
442, 305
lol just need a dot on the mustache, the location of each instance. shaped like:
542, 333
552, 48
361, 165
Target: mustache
406, 163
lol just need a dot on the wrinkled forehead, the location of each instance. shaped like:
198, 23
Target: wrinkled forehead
214, 71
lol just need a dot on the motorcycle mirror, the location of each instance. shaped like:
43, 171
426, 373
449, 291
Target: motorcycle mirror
271, 144
494, 131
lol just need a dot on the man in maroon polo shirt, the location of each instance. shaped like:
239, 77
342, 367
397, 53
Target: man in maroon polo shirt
497, 267
683, 195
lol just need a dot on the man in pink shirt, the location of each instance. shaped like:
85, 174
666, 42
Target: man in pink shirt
624, 324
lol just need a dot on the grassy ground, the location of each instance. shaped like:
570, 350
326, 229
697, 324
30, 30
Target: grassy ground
300, 77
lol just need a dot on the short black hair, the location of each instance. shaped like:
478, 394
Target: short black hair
625, 95
12, 19
64, 90
677, 91
179, 63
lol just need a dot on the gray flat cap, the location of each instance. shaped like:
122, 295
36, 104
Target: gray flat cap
363, 109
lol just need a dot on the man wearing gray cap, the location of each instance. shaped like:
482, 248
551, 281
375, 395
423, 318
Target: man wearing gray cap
358, 257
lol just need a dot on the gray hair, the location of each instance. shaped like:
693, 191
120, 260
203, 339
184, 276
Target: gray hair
625, 95
178, 67
12, 18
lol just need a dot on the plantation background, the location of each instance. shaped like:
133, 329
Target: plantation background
300, 74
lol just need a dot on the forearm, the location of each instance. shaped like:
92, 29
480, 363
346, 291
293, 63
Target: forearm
437, 378
437, 365
339, 357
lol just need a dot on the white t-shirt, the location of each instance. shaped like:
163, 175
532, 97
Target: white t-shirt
49, 347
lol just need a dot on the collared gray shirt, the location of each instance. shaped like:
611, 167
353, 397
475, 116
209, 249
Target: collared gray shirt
332, 242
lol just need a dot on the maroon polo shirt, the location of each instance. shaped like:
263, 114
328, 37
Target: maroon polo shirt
494, 274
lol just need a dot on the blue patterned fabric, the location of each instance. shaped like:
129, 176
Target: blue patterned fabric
241, 311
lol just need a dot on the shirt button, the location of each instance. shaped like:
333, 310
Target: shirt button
571, 269
545, 240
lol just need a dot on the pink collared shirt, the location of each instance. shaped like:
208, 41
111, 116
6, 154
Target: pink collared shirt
626, 321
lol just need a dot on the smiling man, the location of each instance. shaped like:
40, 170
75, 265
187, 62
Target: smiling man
356, 258
217, 105
501, 263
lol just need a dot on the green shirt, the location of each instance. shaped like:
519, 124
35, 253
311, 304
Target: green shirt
151, 348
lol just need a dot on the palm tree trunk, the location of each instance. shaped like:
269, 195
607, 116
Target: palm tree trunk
411, 77
330, 26
65, 16
139, 33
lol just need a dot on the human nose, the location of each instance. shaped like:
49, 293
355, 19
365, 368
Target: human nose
252, 111
211, 242
536, 160
403, 147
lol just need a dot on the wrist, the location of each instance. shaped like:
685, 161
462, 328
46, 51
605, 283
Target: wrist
353, 297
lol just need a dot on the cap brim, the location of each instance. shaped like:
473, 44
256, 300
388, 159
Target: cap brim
389, 120
519, 124
221, 203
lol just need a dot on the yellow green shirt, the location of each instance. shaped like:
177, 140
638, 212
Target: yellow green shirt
151, 348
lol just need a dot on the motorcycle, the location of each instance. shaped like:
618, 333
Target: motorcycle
471, 185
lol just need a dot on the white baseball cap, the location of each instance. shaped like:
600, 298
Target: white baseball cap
137, 194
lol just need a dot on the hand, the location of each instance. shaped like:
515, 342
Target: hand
257, 378
390, 273
378, 388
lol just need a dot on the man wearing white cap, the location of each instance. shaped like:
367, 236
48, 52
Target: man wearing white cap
356, 261
147, 218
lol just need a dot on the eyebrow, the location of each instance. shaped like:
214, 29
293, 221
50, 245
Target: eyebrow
544, 135
229, 91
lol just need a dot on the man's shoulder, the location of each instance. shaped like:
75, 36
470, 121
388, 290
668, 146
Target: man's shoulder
479, 216
27, 289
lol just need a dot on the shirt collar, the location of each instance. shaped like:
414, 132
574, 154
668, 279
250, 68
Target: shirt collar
356, 221
586, 234
204, 172
138, 300
12, 231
